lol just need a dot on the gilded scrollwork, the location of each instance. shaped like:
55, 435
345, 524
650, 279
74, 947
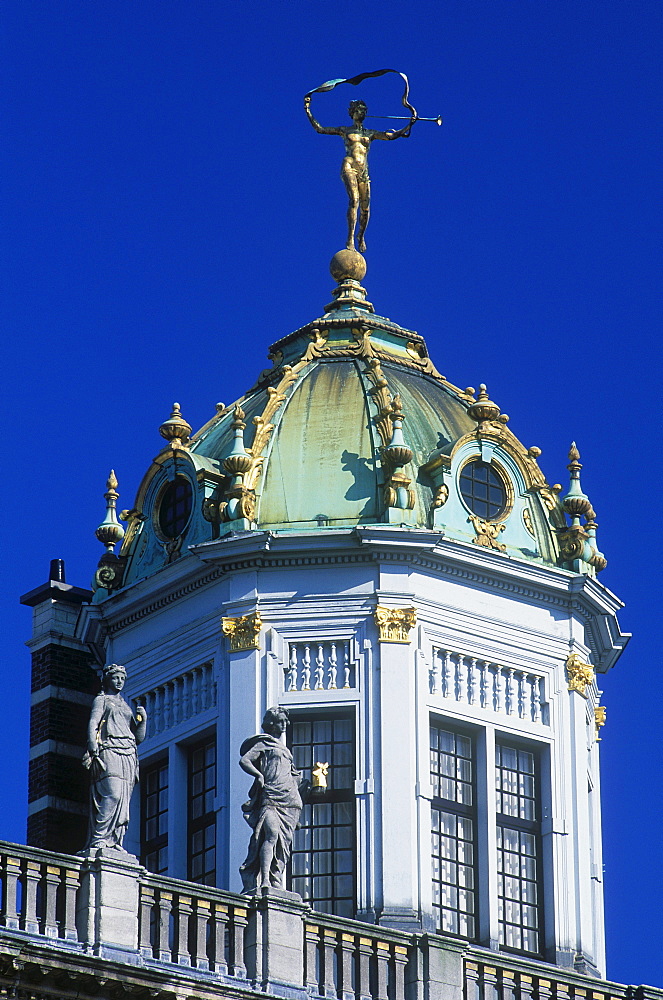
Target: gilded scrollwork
441, 496
243, 632
395, 624
487, 533
580, 674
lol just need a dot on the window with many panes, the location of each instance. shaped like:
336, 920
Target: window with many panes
154, 816
518, 849
453, 830
202, 817
323, 855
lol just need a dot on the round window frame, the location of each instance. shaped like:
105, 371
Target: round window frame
156, 510
505, 479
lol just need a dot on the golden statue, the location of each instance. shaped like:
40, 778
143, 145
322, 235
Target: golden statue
357, 138
354, 170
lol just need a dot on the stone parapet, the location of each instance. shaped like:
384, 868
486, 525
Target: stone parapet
69, 924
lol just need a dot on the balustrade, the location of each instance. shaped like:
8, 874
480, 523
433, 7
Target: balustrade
39, 891
191, 925
496, 688
319, 666
179, 699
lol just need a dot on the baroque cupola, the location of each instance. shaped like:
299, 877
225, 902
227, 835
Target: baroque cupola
352, 425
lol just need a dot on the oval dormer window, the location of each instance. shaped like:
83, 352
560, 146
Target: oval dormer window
483, 489
175, 507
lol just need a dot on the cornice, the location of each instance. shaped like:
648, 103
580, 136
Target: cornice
425, 550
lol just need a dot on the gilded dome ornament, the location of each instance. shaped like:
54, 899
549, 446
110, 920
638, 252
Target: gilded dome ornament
108, 574
483, 410
176, 430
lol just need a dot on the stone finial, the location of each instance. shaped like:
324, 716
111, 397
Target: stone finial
110, 531
576, 503
484, 409
176, 430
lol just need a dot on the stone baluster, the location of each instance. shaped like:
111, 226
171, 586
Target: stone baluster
163, 926
436, 673
306, 683
527, 987
50, 901
472, 990
196, 701
346, 665
483, 685
347, 946
198, 947
544, 990
311, 939
157, 719
328, 955
489, 978
177, 701
499, 689
218, 943
364, 970
522, 698
538, 699
320, 669
293, 680
239, 922
11, 871
333, 668
382, 950
183, 911
30, 921
145, 931
400, 961
473, 680
510, 692
509, 985
446, 674
461, 676
71, 882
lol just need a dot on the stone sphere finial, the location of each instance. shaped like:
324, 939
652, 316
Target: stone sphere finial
347, 264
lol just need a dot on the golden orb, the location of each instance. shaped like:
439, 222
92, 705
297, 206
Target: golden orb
347, 264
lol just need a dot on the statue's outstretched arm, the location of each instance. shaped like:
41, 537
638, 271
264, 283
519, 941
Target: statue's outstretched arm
395, 134
316, 124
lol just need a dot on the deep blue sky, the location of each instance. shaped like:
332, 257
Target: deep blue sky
167, 213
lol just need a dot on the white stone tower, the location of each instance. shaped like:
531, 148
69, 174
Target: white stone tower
362, 542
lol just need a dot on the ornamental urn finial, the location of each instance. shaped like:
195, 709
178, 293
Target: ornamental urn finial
110, 531
176, 430
238, 461
483, 409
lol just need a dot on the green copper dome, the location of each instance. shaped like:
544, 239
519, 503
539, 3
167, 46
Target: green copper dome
352, 425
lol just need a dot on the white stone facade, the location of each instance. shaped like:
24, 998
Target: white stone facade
486, 657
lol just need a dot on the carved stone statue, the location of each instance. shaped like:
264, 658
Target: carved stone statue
274, 805
354, 170
112, 736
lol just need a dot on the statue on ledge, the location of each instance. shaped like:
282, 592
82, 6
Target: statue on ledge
274, 805
111, 758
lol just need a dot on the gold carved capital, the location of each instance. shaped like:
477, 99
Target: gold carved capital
244, 632
394, 624
580, 674
599, 718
